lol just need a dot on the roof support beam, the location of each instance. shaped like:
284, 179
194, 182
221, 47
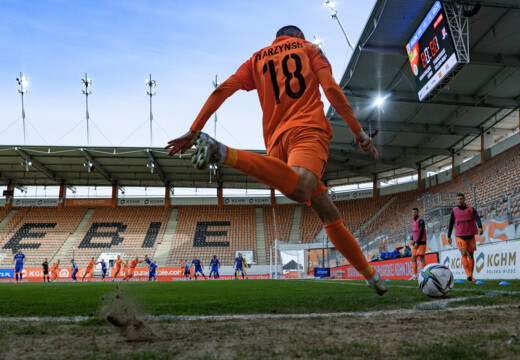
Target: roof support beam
402, 150
98, 166
342, 155
506, 4
38, 165
339, 160
411, 128
157, 167
440, 99
495, 59
5, 180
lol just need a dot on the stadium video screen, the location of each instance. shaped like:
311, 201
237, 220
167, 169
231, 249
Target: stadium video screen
431, 51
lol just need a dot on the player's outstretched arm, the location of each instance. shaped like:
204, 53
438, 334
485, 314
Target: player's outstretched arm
217, 97
339, 102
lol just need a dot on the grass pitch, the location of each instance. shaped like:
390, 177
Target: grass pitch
388, 326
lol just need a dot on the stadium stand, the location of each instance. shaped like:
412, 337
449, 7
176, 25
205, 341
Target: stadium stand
200, 232
493, 184
39, 232
3, 213
132, 230
284, 217
354, 213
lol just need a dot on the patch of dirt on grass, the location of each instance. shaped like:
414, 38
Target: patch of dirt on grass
126, 316
485, 333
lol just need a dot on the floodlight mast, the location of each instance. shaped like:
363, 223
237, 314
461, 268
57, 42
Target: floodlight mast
334, 16
22, 90
151, 84
215, 85
87, 83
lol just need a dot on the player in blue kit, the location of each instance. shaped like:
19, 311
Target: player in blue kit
186, 269
75, 270
240, 265
147, 260
152, 271
19, 259
197, 268
103, 269
215, 265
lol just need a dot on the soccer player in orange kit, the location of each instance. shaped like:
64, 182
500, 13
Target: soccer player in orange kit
287, 75
131, 270
54, 270
89, 271
118, 262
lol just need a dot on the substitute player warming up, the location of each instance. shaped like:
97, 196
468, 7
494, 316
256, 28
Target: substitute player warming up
464, 218
418, 242
287, 76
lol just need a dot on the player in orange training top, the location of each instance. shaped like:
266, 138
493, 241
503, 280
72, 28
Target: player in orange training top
54, 270
131, 270
118, 262
287, 76
89, 271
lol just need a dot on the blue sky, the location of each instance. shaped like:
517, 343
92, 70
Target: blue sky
184, 44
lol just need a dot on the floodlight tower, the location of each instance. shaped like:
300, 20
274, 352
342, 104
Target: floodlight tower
87, 83
151, 84
22, 90
334, 16
215, 85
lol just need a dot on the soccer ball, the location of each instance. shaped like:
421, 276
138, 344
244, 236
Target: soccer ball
436, 280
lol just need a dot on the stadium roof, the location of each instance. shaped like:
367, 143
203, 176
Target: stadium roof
104, 166
407, 132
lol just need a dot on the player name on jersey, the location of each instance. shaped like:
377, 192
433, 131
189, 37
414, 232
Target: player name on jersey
270, 51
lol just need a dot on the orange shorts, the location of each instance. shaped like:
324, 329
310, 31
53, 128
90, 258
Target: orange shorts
469, 245
421, 250
304, 147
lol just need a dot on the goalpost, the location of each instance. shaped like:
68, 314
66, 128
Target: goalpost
285, 253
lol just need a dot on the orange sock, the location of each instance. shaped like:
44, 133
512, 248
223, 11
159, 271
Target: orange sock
471, 265
266, 169
414, 267
465, 264
347, 245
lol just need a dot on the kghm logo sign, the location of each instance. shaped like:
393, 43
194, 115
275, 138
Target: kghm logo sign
496, 260
447, 261
479, 262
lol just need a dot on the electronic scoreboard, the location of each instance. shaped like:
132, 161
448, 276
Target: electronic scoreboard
431, 51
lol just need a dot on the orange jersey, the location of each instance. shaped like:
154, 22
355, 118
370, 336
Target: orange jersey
126, 266
118, 263
284, 74
91, 264
134, 263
